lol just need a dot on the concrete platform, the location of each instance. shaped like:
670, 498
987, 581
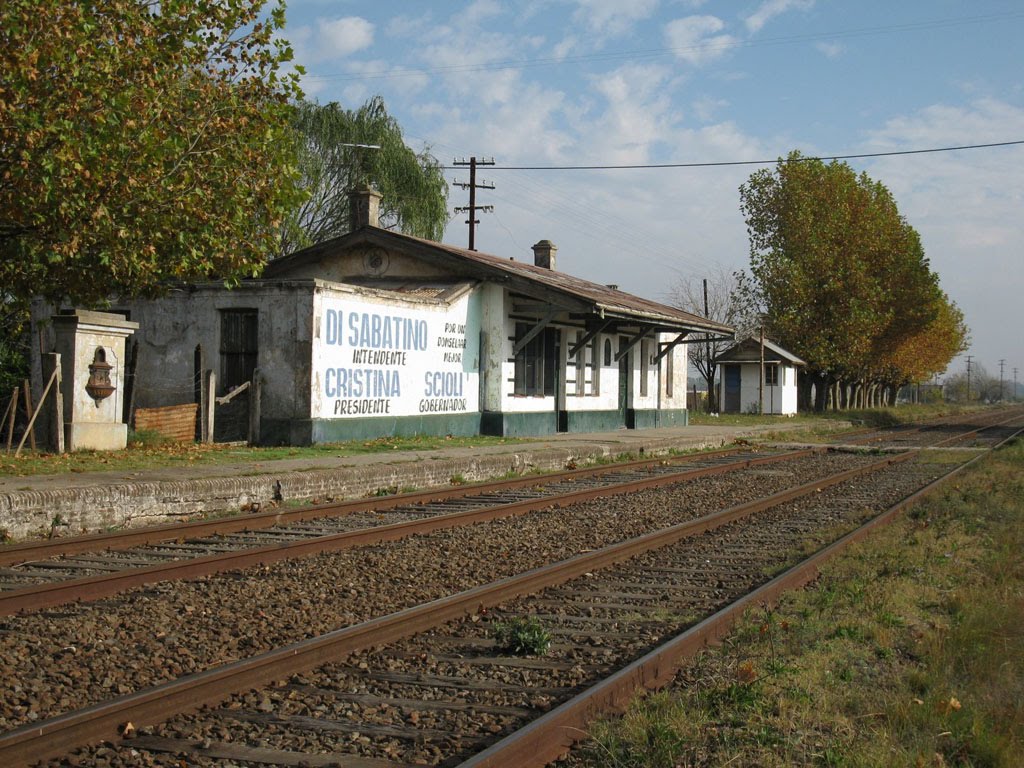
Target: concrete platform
73, 503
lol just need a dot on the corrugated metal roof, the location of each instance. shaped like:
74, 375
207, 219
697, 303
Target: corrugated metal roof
603, 300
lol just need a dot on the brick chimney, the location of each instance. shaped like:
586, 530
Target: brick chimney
364, 205
544, 254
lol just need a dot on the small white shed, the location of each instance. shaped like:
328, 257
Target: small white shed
739, 382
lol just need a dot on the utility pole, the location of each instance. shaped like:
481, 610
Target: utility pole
1014, 385
472, 186
760, 383
707, 354
1002, 362
969, 377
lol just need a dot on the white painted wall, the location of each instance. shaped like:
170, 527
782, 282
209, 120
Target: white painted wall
780, 400
606, 396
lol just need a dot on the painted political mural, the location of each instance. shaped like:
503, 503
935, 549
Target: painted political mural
376, 359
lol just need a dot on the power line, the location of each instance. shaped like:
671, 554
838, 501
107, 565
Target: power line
724, 163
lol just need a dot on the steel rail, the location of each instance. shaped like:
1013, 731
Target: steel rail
15, 554
903, 429
90, 588
100, 722
550, 736
975, 432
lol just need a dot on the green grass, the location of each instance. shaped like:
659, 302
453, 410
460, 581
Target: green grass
908, 651
149, 451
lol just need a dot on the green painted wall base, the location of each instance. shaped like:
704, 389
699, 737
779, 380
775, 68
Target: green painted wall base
518, 424
312, 431
594, 421
651, 418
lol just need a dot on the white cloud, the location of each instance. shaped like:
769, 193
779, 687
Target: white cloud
706, 108
769, 9
638, 114
611, 18
831, 50
696, 39
342, 37
408, 26
330, 39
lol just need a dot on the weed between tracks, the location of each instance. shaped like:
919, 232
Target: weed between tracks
908, 650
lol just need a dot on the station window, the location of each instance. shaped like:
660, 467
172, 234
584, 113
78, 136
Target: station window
595, 366
239, 346
535, 365
771, 375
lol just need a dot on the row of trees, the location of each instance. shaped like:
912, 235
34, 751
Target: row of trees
844, 283
840, 278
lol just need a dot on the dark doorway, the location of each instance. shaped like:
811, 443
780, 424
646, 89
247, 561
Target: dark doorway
731, 380
239, 352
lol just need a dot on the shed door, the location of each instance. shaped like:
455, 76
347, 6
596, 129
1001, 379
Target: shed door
731, 377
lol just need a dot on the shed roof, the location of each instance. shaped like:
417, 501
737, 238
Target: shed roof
748, 350
560, 290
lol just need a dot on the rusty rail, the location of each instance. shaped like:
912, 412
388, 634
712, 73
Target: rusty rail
551, 735
103, 585
100, 722
39, 550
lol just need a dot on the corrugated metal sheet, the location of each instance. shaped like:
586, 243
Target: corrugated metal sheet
175, 422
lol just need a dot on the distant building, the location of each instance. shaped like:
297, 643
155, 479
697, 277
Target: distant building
740, 382
377, 333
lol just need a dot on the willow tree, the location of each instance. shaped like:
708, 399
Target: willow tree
343, 149
140, 142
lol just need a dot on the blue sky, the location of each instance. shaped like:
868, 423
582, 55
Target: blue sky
612, 82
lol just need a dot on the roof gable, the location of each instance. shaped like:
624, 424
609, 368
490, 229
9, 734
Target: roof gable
749, 350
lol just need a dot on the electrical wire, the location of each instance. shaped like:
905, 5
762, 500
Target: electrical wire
725, 163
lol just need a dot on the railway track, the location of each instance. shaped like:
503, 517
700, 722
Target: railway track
45, 574
50, 573
446, 693
967, 430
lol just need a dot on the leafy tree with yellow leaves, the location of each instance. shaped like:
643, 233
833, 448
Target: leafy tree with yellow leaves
141, 142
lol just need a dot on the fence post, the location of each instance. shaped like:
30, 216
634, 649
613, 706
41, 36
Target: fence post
208, 404
128, 417
12, 409
51, 367
254, 408
32, 421
199, 392
29, 408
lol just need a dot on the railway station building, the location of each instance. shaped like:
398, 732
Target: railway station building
377, 333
